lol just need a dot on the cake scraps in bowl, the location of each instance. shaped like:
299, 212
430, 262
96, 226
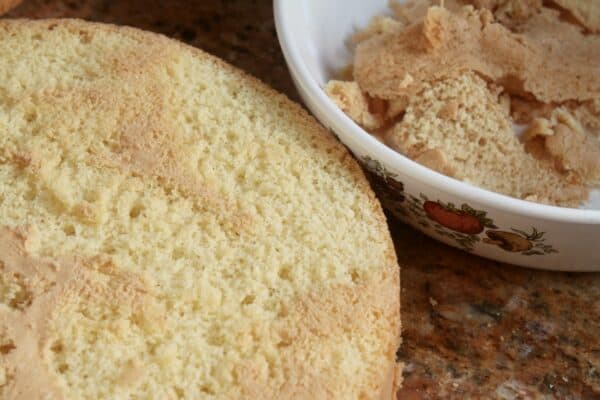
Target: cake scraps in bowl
446, 85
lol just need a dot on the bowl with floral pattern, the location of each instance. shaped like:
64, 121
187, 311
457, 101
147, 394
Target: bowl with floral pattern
313, 35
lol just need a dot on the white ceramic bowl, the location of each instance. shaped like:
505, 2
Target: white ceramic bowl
313, 35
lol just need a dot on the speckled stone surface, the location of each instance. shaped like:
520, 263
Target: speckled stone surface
472, 328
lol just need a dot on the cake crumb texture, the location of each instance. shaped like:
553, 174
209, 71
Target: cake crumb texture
508, 66
554, 68
350, 99
586, 12
564, 140
475, 142
170, 228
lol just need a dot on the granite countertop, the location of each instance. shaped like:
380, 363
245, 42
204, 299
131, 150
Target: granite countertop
472, 328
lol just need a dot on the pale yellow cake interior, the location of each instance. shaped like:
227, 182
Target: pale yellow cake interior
170, 228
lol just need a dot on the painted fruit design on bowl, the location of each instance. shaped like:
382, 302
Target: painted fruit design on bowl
508, 241
459, 221
463, 225
518, 241
383, 182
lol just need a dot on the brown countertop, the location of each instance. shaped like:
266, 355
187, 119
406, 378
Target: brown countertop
472, 328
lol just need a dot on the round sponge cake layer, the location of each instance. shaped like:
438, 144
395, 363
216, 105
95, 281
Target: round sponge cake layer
172, 228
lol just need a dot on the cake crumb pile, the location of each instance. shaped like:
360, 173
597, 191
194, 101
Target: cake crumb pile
445, 85
461, 122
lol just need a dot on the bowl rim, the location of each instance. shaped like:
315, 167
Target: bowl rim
354, 133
